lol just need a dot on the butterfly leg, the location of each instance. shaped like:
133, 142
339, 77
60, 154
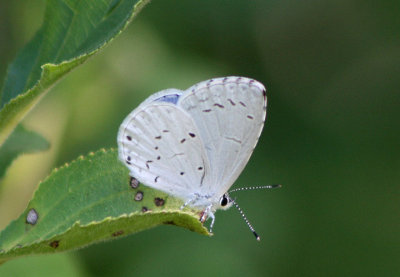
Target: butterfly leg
208, 213
211, 214
191, 200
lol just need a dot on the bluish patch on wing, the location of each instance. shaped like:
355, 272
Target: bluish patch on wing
170, 98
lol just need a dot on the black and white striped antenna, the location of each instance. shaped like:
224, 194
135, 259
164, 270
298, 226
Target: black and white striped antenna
240, 210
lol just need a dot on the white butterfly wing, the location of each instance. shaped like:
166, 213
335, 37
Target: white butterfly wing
229, 113
160, 144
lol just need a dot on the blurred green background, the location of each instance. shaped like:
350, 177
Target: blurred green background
332, 69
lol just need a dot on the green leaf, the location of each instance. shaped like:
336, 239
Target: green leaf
21, 141
72, 31
88, 201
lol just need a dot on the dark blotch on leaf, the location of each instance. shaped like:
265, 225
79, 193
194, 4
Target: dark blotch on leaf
159, 201
134, 183
55, 243
32, 217
117, 233
139, 196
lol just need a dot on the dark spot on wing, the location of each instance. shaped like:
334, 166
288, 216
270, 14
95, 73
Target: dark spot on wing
165, 131
128, 162
250, 117
158, 157
182, 173
147, 164
243, 104
155, 179
128, 158
232, 103
207, 111
183, 140
219, 105
200, 168
192, 135
157, 137
156, 147
129, 138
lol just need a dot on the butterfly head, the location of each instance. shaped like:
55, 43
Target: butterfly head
225, 202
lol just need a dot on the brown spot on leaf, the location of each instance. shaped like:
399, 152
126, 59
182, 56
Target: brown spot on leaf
134, 183
139, 196
32, 217
159, 201
117, 233
55, 243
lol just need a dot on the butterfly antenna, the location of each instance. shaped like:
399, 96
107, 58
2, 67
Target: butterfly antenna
257, 187
245, 219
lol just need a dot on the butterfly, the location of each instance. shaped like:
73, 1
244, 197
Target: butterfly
194, 144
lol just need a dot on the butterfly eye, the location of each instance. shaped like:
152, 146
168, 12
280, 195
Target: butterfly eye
224, 201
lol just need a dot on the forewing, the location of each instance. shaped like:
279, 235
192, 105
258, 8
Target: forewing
160, 144
229, 113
